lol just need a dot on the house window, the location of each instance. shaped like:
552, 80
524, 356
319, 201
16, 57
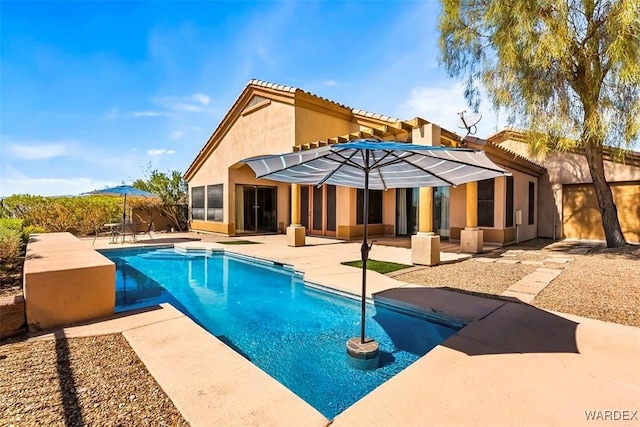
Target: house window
214, 202
509, 203
485, 202
197, 203
532, 196
375, 206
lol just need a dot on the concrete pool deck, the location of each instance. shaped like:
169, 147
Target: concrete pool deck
513, 364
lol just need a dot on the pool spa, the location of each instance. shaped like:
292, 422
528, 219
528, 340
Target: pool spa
292, 330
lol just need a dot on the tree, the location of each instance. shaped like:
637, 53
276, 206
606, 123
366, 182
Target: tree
566, 71
172, 189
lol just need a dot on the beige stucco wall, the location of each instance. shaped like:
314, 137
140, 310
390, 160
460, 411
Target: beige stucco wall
521, 202
568, 169
346, 207
313, 123
498, 233
66, 281
581, 216
265, 130
457, 207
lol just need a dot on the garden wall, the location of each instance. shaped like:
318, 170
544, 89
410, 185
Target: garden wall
66, 282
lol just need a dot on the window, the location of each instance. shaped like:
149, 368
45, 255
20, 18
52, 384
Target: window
214, 202
532, 195
509, 203
197, 203
375, 206
485, 202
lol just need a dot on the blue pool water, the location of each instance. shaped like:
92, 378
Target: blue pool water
265, 312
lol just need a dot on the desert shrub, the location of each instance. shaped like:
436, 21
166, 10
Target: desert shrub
81, 215
11, 242
29, 230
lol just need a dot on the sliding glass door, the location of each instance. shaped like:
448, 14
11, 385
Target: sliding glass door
256, 209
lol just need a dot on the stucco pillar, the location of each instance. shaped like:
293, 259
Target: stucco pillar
295, 232
471, 238
425, 246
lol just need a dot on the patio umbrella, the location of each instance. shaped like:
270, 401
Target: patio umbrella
122, 190
378, 165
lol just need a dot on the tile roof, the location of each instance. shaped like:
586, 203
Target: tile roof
292, 89
383, 127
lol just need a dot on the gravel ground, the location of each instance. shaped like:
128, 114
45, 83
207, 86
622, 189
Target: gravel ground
488, 280
81, 381
602, 284
100, 380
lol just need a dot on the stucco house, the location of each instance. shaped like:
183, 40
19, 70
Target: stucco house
267, 118
568, 207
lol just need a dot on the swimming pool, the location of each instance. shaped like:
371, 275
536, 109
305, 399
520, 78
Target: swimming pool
293, 331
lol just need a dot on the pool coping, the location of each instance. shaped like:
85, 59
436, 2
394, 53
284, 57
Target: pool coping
471, 365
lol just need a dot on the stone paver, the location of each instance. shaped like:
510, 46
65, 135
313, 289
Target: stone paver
512, 253
529, 286
484, 259
558, 260
531, 289
533, 262
508, 261
522, 296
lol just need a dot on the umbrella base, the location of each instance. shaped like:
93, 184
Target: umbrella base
364, 356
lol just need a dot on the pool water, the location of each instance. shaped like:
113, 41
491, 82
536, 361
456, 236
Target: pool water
294, 332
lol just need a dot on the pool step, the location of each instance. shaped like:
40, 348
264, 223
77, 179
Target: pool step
167, 254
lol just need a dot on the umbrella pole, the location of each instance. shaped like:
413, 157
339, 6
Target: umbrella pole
364, 354
364, 251
124, 217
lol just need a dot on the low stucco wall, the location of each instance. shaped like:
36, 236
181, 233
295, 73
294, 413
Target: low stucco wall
66, 282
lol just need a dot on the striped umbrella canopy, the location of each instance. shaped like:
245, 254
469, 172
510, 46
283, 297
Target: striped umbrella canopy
377, 165
383, 164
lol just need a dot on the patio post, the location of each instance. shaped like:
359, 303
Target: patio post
296, 231
425, 246
471, 238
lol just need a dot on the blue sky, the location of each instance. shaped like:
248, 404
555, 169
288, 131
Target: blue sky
94, 93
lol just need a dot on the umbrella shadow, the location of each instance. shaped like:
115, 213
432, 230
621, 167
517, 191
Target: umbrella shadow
492, 326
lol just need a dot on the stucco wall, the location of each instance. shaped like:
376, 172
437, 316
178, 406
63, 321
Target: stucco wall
554, 207
457, 207
498, 233
521, 202
66, 281
266, 130
316, 124
581, 216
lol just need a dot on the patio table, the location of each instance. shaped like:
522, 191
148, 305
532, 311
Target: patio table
118, 229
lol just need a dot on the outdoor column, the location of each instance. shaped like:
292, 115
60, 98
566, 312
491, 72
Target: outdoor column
471, 238
425, 246
295, 232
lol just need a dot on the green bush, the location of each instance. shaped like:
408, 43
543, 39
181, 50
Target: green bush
11, 240
81, 215
29, 230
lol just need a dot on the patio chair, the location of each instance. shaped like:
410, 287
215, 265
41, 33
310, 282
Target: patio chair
102, 231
